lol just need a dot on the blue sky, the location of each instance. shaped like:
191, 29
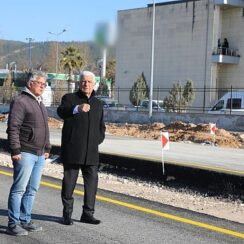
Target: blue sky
21, 19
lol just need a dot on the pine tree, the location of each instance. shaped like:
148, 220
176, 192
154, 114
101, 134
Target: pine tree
139, 90
188, 93
179, 97
7, 88
102, 89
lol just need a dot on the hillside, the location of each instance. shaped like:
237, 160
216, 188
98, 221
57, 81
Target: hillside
43, 54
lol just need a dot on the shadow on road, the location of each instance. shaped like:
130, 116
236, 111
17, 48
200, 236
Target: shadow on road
4, 212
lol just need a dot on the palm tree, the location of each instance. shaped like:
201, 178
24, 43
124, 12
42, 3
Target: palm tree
70, 62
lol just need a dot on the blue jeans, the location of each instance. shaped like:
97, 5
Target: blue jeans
26, 181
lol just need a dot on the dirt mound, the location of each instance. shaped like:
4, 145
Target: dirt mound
3, 117
141, 131
179, 131
54, 123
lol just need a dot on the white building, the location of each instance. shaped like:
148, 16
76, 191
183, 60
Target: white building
186, 37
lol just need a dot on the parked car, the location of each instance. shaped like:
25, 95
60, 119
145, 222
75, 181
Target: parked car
110, 103
157, 105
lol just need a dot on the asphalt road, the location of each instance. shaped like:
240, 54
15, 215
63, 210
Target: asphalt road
225, 160
124, 220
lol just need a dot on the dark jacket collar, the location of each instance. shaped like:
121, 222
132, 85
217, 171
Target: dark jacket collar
82, 95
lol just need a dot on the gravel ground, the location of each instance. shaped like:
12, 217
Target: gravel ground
221, 208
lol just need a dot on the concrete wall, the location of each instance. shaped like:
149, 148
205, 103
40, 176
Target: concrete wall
228, 122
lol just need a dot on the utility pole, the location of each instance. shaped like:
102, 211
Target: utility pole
29, 39
57, 55
152, 62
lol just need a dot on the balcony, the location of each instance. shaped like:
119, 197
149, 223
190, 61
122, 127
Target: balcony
225, 56
234, 3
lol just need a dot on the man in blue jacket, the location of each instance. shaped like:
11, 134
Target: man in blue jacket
28, 137
82, 132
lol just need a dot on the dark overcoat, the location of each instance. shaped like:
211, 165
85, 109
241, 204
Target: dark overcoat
82, 132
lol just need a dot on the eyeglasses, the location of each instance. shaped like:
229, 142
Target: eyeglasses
87, 81
39, 83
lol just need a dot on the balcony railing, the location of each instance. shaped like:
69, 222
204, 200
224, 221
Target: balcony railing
225, 55
235, 3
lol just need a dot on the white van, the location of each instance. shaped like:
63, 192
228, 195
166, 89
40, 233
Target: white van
230, 103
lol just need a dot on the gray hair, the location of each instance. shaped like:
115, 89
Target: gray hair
87, 73
36, 74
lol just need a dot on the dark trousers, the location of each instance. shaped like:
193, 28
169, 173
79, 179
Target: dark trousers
90, 177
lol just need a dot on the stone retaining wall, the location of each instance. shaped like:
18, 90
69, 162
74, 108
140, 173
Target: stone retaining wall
227, 122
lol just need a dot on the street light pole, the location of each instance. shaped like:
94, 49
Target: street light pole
57, 56
29, 39
152, 63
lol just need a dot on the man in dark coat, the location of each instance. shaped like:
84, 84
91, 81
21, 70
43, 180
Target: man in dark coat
82, 132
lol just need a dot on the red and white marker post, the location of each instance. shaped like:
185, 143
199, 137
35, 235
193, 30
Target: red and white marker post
165, 145
213, 129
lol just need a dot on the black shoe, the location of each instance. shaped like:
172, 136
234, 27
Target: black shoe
67, 221
89, 220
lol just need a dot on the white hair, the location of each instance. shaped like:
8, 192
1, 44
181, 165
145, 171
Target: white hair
87, 73
33, 76
36, 74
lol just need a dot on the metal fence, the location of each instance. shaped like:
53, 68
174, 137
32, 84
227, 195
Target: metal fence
201, 102
204, 98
